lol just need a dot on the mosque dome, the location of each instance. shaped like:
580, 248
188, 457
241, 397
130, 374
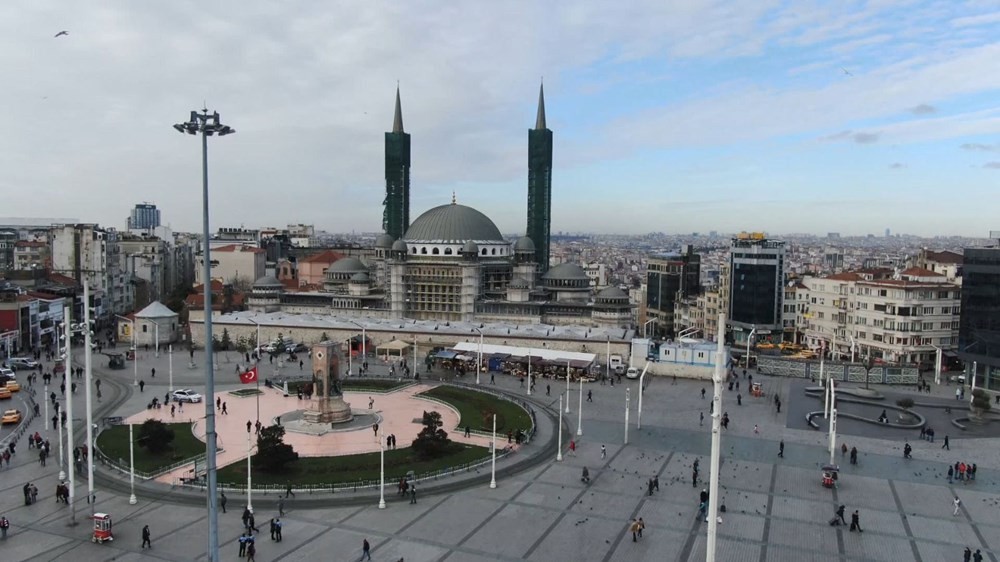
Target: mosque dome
453, 223
384, 241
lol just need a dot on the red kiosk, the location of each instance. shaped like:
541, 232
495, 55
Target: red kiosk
102, 528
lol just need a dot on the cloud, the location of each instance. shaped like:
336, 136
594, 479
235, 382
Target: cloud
992, 165
980, 146
859, 137
897, 166
923, 109
980, 19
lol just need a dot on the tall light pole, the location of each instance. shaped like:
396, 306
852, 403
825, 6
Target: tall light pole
642, 377
479, 362
833, 420
579, 412
131, 467
713, 475
135, 349
364, 343
156, 337
70, 465
937, 364
493, 470
208, 125
249, 472
381, 474
753, 330
647, 323
822, 380
88, 382
529, 376
608, 371
627, 398
567, 386
170, 366
852, 347
559, 448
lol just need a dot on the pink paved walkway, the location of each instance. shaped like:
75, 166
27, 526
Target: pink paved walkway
398, 409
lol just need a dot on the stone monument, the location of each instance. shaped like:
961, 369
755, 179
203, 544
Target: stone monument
327, 405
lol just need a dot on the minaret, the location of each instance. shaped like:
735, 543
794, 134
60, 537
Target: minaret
540, 185
396, 215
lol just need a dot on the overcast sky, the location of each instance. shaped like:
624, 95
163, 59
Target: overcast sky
674, 116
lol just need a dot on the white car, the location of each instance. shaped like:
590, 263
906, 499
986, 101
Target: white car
6, 374
632, 373
186, 395
22, 363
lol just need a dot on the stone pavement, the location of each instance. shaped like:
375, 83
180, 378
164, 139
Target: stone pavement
776, 508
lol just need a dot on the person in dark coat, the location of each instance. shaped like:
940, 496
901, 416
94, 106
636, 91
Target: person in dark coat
856, 522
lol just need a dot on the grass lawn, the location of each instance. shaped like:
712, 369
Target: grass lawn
245, 392
475, 409
113, 442
358, 385
351, 468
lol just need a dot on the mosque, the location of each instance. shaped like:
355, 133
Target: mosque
452, 264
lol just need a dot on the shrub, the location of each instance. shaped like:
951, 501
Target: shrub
432, 441
905, 403
272, 452
155, 436
980, 399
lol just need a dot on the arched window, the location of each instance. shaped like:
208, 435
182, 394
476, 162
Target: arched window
414, 250
447, 251
494, 251
423, 250
484, 251
435, 251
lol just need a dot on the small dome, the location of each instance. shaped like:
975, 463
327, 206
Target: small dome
384, 241
566, 272
524, 244
470, 248
360, 278
518, 284
612, 293
267, 282
347, 265
400, 246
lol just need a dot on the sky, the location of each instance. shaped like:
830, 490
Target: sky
668, 115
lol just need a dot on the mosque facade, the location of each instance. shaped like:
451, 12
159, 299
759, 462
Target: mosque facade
452, 264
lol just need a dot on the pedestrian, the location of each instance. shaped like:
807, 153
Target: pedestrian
656, 482
585, 476
739, 399
142, 385
977, 556
272, 528
413, 493
288, 489
4, 525
701, 418
281, 506
958, 394
218, 404
252, 551
371, 403
172, 410
843, 449
222, 501
951, 474
548, 390
642, 525
277, 529
366, 550
649, 487
572, 447
224, 411
781, 448
958, 504
634, 529
946, 445
145, 538
854, 455
840, 514
703, 393
856, 521
243, 544
967, 555
152, 373
972, 472
756, 429
492, 379
468, 430
604, 452
590, 396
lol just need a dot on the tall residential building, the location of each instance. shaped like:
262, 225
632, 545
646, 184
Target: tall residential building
670, 278
144, 216
540, 185
396, 216
979, 327
88, 250
756, 286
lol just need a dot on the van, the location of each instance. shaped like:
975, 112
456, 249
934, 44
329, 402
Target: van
22, 363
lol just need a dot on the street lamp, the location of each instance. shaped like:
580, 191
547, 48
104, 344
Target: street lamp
479, 362
70, 465
753, 330
716, 450
249, 473
493, 478
559, 448
579, 413
529, 376
381, 474
88, 382
567, 386
170, 363
131, 466
135, 350
627, 398
937, 364
642, 377
648, 322
364, 343
208, 125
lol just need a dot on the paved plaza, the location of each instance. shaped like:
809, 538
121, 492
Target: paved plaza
776, 509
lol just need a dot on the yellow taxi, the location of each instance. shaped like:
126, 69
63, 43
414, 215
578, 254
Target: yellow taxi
10, 416
4, 393
13, 386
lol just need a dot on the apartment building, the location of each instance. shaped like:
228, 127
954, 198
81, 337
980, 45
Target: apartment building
88, 249
902, 319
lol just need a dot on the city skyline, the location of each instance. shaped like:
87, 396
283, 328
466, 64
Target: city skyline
775, 118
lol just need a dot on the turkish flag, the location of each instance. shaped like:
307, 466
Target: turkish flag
249, 376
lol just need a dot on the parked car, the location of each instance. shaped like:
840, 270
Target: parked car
6, 373
186, 395
632, 373
10, 416
4, 393
22, 363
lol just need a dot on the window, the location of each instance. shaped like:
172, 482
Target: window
435, 251
484, 251
145, 328
942, 294
494, 252
423, 250
876, 337
447, 251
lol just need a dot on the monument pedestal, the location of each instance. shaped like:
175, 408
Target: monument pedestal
328, 410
